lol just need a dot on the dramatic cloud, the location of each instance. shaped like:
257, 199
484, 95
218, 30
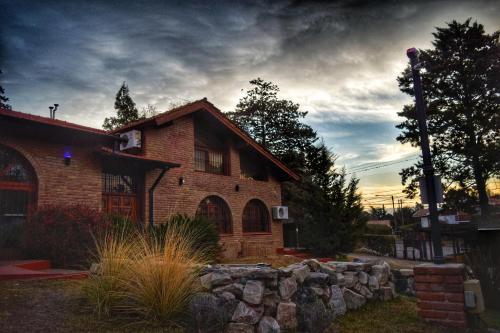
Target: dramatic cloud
338, 59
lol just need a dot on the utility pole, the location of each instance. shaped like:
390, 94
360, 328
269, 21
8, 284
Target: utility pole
401, 211
393, 212
426, 156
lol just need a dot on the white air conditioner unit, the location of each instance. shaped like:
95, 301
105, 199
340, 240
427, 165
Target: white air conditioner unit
133, 140
280, 212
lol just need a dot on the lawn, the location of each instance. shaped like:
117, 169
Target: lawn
58, 306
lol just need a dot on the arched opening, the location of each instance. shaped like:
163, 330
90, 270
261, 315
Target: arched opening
17, 186
256, 217
216, 210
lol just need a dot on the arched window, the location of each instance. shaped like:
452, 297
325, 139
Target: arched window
17, 186
255, 217
216, 210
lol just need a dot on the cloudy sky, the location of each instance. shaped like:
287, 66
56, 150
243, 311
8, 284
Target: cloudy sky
337, 59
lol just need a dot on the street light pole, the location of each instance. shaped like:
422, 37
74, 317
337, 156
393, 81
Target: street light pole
426, 156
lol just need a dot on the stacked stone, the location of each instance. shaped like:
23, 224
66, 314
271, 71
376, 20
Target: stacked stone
304, 297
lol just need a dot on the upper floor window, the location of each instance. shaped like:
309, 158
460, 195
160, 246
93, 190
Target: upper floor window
210, 161
211, 153
252, 167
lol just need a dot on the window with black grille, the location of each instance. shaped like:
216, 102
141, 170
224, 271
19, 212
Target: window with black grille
255, 217
116, 183
216, 210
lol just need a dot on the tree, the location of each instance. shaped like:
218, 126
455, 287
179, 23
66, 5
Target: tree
149, 111
461, 82
324, 204
3, 98
274, 123
126, 110
379, 213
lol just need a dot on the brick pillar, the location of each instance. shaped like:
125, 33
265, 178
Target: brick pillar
440, 294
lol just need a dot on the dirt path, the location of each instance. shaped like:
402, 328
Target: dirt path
393, 262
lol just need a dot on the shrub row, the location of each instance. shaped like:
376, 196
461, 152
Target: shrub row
378, 229
67, 235
383, 244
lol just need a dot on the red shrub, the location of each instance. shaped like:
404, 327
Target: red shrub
62, 234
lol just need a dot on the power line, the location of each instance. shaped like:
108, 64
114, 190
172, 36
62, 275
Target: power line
363, 169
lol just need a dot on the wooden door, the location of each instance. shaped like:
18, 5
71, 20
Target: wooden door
121, 204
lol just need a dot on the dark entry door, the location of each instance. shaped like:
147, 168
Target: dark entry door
290, 235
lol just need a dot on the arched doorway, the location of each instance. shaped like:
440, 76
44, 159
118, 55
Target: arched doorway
18, 186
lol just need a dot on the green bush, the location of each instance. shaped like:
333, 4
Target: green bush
204, 231
62, 234
378, 229
383, 244
10, 235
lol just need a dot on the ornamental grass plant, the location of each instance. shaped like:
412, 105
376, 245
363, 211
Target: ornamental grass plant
146, 278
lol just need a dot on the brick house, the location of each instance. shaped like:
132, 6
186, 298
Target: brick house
191, 160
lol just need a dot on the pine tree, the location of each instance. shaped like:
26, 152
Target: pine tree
324, 204
461, 83
3, 98
126, 110
275, 123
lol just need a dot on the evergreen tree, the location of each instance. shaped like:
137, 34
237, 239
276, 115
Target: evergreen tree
3, 98
461, 83
326, 207
126, 110
275, 123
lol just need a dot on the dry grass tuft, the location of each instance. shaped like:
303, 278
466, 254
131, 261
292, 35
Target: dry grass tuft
145, 277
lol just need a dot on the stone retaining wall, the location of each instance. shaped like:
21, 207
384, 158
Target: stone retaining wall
303, 297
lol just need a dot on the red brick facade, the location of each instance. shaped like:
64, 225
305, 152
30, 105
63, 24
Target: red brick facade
440, 294
81, 182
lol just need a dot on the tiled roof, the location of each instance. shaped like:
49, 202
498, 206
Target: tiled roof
49, 121
203, 104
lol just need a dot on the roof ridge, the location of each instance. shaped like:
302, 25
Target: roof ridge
30, 116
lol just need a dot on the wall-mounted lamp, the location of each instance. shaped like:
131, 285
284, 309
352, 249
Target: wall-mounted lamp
237, 188
181, 181
67, 157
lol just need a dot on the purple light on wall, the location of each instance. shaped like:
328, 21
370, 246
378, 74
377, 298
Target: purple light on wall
67, 156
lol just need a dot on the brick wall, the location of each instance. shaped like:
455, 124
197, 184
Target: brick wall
175, 143
79, 182
440, 294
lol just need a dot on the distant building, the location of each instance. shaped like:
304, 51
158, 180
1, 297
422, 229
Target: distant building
444, 217
380, 222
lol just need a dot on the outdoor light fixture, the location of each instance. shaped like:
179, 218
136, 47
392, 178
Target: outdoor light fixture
181, 181
237, 188
67, 156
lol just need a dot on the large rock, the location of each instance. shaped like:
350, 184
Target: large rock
247, 314
365, 291
268, 325
286, 315
386, 293
337, 302
301, 273
340, 279
270, 302
235, 288
317, 278
381, 272
363, 277
351, 278
206, 281
287, 288
207, 314
312, 313
373, 283
239, 328
253, 292
353, 300
314, 265
220, 279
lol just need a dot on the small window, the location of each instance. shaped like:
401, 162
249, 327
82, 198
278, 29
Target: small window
252, 167
216, 210
211, 161
113, 183
255, 217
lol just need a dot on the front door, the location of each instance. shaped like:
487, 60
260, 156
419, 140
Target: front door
120, 195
